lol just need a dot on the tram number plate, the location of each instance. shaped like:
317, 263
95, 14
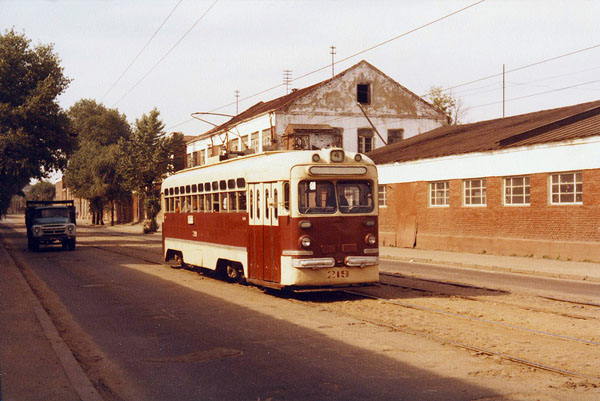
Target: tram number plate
338, 273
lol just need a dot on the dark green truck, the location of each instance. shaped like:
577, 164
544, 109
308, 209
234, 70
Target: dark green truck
50, 222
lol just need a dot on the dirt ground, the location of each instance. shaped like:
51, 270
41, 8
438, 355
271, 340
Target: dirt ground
461, 333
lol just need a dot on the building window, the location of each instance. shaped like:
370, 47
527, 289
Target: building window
234, 145
475, 192
189, 160
566, 188
365, 140
202, 158
439, 193
363, 93
254, 142
395, 135
516, 191
382, 195
266, 137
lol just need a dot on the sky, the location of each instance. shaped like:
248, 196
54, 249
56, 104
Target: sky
206, 50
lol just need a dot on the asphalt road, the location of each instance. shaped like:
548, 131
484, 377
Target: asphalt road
147, 332
575, 290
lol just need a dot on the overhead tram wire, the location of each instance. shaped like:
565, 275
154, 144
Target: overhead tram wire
141, 51
537, 94
167, 53
353, 55
520, 68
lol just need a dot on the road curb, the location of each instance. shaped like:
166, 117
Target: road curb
494, 268
75, 374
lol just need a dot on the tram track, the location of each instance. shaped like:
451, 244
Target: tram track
478, 349
433, 336
491, 290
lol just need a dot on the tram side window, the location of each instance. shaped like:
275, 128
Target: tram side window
207, 203
215, 205
286, 195
355, 196
275, 204
316, 197
251, 206
266, 203
242, 201
258, 203
224, 202
194, 203
188, 203
232, 201
201, 202
177, 205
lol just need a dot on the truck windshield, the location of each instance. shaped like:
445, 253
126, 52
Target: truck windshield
52, 215
347, 196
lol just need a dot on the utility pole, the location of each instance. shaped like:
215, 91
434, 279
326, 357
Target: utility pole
332, 59
503, 90
237, 98
287, 78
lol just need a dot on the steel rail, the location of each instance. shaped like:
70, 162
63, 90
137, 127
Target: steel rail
442, 340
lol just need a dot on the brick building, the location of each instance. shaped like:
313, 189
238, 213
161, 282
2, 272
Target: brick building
523, 185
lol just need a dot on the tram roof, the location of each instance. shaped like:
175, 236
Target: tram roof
272, 165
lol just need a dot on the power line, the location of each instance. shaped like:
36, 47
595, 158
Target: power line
140, 52
520, 68
353, 55
166, 54
537, 94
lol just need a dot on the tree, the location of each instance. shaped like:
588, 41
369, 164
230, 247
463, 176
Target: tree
448, 104
43, 191
145, 158
92, 172
34, 130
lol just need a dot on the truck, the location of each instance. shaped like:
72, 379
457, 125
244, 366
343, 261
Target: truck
50, 222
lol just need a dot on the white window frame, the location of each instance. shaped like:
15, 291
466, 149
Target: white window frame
446, 194
364, 134
575, 175
509, 186
382, 195
468, 187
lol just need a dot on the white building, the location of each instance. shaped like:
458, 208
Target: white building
340, 111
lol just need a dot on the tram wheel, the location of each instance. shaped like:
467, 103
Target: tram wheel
232, 272
179, 263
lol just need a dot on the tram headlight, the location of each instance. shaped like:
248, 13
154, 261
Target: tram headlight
316, 158
357, 157
305, 241
370, 239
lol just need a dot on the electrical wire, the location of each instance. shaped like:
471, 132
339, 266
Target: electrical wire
536, 94
141, 51
342, 60
166, 54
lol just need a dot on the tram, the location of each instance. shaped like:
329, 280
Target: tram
279, 219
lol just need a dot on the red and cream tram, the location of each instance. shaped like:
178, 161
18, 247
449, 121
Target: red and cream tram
279, 219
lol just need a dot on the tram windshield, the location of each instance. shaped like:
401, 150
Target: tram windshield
347, 196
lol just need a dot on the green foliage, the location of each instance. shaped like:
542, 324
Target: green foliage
93, 172
447, 103
43, 190
146, 157
34, 131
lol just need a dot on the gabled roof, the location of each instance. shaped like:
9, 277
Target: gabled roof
554, 125
283, 101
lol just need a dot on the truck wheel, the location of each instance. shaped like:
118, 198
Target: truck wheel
71, 244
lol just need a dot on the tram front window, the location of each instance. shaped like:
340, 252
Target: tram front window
315, 197
355, 196
327, 197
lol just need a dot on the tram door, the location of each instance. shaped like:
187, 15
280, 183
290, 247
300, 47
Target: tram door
263, 242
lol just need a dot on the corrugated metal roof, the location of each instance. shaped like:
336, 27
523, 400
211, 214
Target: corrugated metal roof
561, 124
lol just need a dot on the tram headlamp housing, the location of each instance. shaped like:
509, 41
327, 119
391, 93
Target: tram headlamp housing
371, 239
316, 158
357, 157
370, 222
305, 241
305, 224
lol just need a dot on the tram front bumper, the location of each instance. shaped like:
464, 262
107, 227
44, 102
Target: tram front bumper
313, 263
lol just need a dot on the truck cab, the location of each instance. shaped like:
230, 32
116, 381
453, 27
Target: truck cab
50, 222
